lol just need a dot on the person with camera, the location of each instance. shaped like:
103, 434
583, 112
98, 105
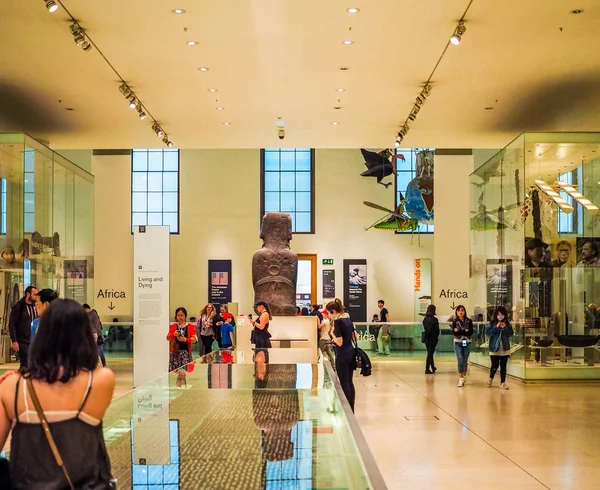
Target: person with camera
181, 337
499, 331
462, 328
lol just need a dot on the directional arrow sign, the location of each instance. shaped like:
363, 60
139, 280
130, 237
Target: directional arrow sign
111, 306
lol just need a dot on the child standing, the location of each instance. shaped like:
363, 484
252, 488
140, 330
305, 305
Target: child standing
227, 331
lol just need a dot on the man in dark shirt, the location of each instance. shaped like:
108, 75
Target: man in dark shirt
22, 315
383, 341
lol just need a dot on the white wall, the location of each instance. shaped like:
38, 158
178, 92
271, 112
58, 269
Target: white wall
219, 219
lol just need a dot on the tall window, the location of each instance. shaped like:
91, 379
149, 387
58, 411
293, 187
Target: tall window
29, 192
406, 172
3, 204
287, 185
571, 222
155, 188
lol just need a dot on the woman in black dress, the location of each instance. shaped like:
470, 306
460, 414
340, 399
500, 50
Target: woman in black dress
430, 337
343, 335
262, 337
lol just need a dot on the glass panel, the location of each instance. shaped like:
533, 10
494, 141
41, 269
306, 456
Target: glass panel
288, 160
140, 160
271, 160
170, 181
155, 219
303, 222
139, 219
303, 160
288, 202
155, 181
272, 181
154, 201
171, 220
303, 201
288, 181
140, 181
29, 221
155, 160
303, 181
139, 203
271, 201
171, 160
170, 201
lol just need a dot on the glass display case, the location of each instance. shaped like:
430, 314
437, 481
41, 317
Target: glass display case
46, 225
534, 248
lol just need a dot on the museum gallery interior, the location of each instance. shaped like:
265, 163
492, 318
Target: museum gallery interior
230, 185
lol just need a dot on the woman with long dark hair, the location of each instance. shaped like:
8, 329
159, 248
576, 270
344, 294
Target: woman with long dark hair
181, 337
430, 337
462, 328
205, 326
262, 337
499, 331
73, 394
343, 336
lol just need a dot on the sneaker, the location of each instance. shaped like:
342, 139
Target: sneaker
461, 382
489, 383
464, 380
503, 386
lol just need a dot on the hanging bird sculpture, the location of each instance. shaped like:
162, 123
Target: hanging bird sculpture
380, 165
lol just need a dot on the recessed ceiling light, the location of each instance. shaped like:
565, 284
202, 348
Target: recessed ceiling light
178, 11
341, 89
344, 68
353, 10
227, 123
335, 123
212, 90
347, 42
577, 11
337, 108
489, 108
203, 68
69, 109
220, 108
192, 43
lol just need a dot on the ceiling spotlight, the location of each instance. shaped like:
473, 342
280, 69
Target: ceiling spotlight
141, 112
212, 90
192, 43
353, 10
203, 68
125, 90
341, 89
426, 92
227, 123
170, 144
158, 130
165, 139
347, 42
220, 108
335, 123
397, 144
79, 37
51, 6
178, 11
458, 33
132, 101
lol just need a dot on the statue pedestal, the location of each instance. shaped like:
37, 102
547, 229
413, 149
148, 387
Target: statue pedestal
286, 332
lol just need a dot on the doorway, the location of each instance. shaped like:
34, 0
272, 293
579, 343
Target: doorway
306, 288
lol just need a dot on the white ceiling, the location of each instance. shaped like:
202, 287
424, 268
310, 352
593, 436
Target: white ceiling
531, 60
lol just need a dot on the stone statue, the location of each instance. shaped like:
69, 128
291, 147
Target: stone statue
275, 266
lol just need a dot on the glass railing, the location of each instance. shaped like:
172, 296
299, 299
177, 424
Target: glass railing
272, 420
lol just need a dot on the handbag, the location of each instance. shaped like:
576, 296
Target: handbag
362, 360
47, 433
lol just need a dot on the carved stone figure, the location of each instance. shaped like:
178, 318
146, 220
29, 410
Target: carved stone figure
274, 266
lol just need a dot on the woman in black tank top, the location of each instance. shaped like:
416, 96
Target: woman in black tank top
262, 337
73, 395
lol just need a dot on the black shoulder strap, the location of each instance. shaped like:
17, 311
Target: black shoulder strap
17, 398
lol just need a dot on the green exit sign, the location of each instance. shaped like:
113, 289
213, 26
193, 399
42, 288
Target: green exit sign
327, 261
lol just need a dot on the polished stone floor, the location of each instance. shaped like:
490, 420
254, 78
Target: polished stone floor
426, 433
